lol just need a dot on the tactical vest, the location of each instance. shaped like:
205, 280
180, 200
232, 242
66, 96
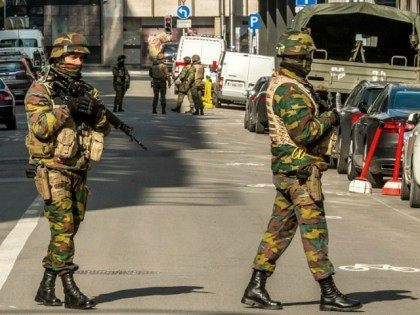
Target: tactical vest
121, 76
157, 72
277, 130
72, 146
199, 74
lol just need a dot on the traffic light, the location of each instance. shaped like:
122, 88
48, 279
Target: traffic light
168, 23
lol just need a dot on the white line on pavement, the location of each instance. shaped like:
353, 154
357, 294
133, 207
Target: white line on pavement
16, 239
396, 210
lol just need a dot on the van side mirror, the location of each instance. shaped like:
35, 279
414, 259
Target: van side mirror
362, 106
413, 118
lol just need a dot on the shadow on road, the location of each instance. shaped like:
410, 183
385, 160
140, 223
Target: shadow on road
368, 297
139, 292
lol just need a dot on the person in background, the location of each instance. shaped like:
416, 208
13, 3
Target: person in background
121, 82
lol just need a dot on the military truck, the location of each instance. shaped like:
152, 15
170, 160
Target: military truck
360, 41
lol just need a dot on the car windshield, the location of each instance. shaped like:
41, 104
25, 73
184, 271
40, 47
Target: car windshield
405, 99
21, 42
10, 67
2, 85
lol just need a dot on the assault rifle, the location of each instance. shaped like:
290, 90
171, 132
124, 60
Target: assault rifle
70, 88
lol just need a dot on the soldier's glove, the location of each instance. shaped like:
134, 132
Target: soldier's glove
86, 106
335, 117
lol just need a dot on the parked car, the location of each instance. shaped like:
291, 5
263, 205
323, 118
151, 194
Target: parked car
357, 103
7, 106
392, 106
410, 181
238, 72
17, 72
256, 109
169, 51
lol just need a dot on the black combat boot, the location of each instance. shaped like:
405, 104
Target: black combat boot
176, 109
256, 295
201, 112
121, 110
333, 300
154, 110
46, 290
163, 111
115, 109
73, 297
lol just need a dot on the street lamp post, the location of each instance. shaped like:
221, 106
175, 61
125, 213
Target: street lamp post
231, 25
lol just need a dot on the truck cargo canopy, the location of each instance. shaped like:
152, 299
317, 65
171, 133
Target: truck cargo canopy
336, 26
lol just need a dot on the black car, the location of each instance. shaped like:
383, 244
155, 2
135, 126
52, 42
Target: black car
169, 51
392, 106
17, 71
7, 106
357, 103
255, 109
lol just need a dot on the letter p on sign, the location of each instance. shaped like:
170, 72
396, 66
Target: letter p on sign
254, 21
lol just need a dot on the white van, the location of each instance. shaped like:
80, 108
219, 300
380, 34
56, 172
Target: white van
26, 40
209, 48
238, 72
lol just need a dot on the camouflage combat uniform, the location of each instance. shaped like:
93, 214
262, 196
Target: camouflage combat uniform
197, 85
50, 124
160, 77
121, 83
185, 87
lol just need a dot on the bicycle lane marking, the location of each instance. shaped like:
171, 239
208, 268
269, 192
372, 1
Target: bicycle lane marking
14, 242
396, 210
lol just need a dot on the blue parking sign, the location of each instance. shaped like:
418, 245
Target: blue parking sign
254, 21
302, 3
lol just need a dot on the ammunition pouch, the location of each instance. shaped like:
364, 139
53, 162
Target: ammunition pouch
183, 88
66, 144
60, 186
42, 183
327, 144
314, 184
39, 149
93, 144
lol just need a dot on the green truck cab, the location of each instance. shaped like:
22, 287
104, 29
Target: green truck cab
360, 41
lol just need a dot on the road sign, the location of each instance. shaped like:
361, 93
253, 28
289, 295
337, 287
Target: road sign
183, 23
254, 21
183, 12
302, 3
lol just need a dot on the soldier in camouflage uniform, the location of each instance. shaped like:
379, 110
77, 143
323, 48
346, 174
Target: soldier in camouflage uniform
296, 128
197, 85
63, 137
184, 86
160, 79
121, 82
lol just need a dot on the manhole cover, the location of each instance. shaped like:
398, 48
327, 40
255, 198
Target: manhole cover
117, 272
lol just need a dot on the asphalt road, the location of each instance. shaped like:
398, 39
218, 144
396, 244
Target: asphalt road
174, 230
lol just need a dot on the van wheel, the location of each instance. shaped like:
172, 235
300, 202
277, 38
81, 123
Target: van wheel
259, 127
415, 195
11, 125
377, 180
405, 189
246, 119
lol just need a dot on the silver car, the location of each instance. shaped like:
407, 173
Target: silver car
410, 182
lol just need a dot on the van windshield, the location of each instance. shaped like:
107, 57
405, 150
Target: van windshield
21, 42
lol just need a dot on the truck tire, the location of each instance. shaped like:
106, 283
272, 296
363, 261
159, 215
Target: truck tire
405, 189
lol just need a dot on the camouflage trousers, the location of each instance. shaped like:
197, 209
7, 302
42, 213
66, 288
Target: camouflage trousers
294, 207
197, 94
181, 97
65, 212
159, 88
119, 96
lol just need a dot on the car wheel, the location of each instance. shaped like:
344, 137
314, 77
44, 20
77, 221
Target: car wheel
259, 127
405, 189
342, 159
12, 125
246, 118
351, 168
414, 195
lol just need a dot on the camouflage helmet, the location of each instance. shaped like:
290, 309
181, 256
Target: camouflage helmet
195, 58
187, 59
67, 43
159, 56
295, 43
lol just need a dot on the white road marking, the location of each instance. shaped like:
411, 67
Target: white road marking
246, 164
259, 185
333, 217
367, 267
395, 209
16, 239
207, 132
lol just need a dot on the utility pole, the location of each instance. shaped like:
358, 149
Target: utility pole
231, 24
222, 19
